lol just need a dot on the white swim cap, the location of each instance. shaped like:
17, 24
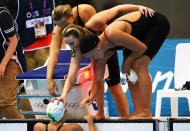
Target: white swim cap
54, 111
132, 77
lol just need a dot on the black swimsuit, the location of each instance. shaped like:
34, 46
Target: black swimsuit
152, 31
80, 22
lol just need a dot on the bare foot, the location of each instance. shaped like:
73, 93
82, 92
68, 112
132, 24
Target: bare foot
89, 117
140, 116
127, 116
134, 116
124, 118
100, 116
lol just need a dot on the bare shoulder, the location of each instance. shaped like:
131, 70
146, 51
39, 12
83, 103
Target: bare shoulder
87, 7
72, 127
86, 11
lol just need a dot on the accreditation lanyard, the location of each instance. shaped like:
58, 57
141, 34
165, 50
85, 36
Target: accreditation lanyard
39, 24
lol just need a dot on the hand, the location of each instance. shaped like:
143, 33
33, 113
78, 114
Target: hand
61, 98
125, 67
89, 117
146, 11
2, 71
52, 86
86, 101
132, 77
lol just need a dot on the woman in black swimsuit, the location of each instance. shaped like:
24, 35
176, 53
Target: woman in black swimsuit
140, 36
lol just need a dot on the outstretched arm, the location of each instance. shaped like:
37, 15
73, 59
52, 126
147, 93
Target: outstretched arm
74, 65
54, 53
99, 69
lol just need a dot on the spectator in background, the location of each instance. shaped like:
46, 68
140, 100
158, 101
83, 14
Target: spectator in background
13, 7
12, 63
36, 41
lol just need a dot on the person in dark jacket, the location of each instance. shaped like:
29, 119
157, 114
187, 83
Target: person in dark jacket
12, 63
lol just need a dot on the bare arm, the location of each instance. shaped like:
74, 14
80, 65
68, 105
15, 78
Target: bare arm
54, 53
13, 44
74, 65
120, 38
90, 121
99, 21
99, 69
124, 8
126, 40
99, 77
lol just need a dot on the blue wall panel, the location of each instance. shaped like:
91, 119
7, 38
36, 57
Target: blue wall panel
161, 70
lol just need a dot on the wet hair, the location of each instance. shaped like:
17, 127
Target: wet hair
88, 43
61, 11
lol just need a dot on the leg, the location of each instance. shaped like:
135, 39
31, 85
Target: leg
141, 92
11, 112
115, 88
120, 99
100, 102
8, 89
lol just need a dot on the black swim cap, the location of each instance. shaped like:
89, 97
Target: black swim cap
88, 43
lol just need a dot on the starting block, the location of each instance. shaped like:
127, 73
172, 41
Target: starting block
35, 85
173, 95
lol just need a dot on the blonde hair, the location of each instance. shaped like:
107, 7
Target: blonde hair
61, 11
77, 29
